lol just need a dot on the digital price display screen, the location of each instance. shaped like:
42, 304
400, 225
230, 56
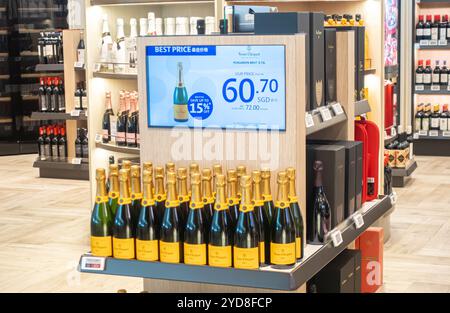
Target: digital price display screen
230, 86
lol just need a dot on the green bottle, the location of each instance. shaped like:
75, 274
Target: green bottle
113, 188
180, 98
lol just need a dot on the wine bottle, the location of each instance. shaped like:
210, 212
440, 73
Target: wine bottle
147, 230
170, 167
194, 233
267, 193
217, 169
106, 124
160, 193
419, 73
107, 43
136, 193
170, 244
435, 118
85, 143
54, 143
43, 105
282, 241
81, 48
296, 213
208, 199
132, 122
180, 98
232, 199
78, 145
419, 29
193, 168
123, 231
436, 78
114, 188
262, 218
435, 28
426, 117
40, 140
101, 220
121, 121
427, 74
444, 74
183, 195
321, 224
418, 118
61, 96
246, 236
444, 125
220, 241
240, 171
120, 49
48, 143
49, 95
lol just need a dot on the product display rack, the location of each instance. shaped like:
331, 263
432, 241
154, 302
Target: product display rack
399, 175
53, 116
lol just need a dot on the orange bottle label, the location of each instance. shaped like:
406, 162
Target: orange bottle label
262, 252
246, 258
123, 248
282, 254
298, 247
195, 254
219, 256
169, 252
147, 250
101, 246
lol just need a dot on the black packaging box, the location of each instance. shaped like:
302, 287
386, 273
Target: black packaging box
244, 17
357, 258
311, 24
333, 158
330, 65
359, 176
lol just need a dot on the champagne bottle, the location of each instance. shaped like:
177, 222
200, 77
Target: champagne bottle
208, 199
321, 224
194, 232
126, 165
120, 49
132, 121
106, 124
233, 200
246, 236
170, 167
267, 193
263, 221
160, 193
193, 168
101, 219
183, 195
221, 230
296, 213
121, 124
123, 231
282, 242
217, 170
241, 170
136, 193
148, 166
180, 98
147, 231
170, 244
107, 42
114, 188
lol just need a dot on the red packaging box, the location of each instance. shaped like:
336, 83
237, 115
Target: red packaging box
371, 244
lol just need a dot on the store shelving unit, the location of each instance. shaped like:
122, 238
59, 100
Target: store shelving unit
115, 148
53, 116
62, 169
49, 67
362, 107
400, 175
114, 76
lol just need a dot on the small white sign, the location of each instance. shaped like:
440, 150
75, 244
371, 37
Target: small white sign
448, 88
446, 134
424, 43
337, 108
75, 113
79, 65
326, 114
436, 88
416, 136
358, 219
76, 161
91, 263
98, 138
336, 236
420, 87
309, 121
86, 113
433, 133
423, 133
433, 43
443, 42
97, 67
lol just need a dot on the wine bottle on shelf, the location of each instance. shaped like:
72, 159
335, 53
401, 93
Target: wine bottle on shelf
114, 188
296, 214
106, 123
143, 27
183, 195
81, 48
240, 171
55, 95
170, 244
220, 241
147, 230
122, 122
84, 104
85, 144
78, 145
47, 143
107, 46
61, 95
427, 74
151, 23
267, 193
217, 169
123, 231
208, 199
43, 104
246, 235
263, 220
180, 98
77, 97
160, 193
418, 117
136, 193
101, 220
444, 74
435, 27
448, 29
443, 28
132, 123
120, 49
427, 28
232, 199
49, 95
436, 78
321, 224
435, 118
40, 140
54, 143
419, 28
195, 237
419, 73
131, 44
444, 125
426, 117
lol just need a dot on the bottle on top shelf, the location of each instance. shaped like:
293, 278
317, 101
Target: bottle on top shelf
106, 45
120, 51
151, 24
131, 45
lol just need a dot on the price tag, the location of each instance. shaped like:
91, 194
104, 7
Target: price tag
86, 113
92, 263
446, 134
433, 43
337, 108
448, 88
436, 88
443, 42
423, 133
336, 236
358, 219
98, 138
393, 197
97, 67
433, 133
420, 87
416, 136
76, 161
424, 43
79, 65
309, 120
326, 114
75, 113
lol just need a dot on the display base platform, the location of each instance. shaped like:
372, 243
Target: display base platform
15, 148
432, 146
62, 169
400, 175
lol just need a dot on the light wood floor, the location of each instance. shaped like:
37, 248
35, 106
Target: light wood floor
44, 228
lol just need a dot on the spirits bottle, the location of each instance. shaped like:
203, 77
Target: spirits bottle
419, 73
183, 195
232, 199
436, 80
419, 29
435, 118
267, 193
296, 213
444, 74
151, 24
180, 98
131, 44
136, 193
427, 74
444, 125
208, 199
321, 224
113, 194
107, 45
160, 193
435, 28
263, 220
427, 28
120, 49
418, 117
106, 124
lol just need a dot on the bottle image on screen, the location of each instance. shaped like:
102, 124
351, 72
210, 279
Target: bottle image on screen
160, 192
221, 230
241, 170
136, 193
123, 232
263, 220
267, 193
246, 235
101, 219
232, 199
114, 188
147, 230
180, 98
217, 169
282, 242
322, 214
208, 199
170, 244
183, 195
296, 213
194, 232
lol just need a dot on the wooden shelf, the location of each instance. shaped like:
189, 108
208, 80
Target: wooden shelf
114, 148
438, 47
320, 125
114, 75
42, 116
49, 68
427, 91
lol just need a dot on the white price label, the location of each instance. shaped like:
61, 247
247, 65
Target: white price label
309, 121
416, 136
79, 65
337, 108
443, 42
98, 138
433, 133
436, 88
76, 161
326, 114
75, 113
433, 43
424, 43
86, 113
336, 236
446, 134
448, 88
92, 263
97, 67
423, 133
358, 219
420, 87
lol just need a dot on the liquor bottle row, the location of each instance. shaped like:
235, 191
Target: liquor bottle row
236, 225
344, 20
52, 143
428, 76
429, 29
122, 128
398, 152
82, 144
50, 48
430, 117
80, 100
51, 95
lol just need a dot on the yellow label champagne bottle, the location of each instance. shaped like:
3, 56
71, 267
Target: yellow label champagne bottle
183, 195
101, 219
246, 236
208, 199
148, 166
241, 170
123, 231
217, 169
170, 243
147, 230
221, 231
126, 165
170, 167
232, 199
136, 193
180, 98
193, 168
296, 213
282, 243
261, 216
160, 192
267, 193
114, 188
194, 232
